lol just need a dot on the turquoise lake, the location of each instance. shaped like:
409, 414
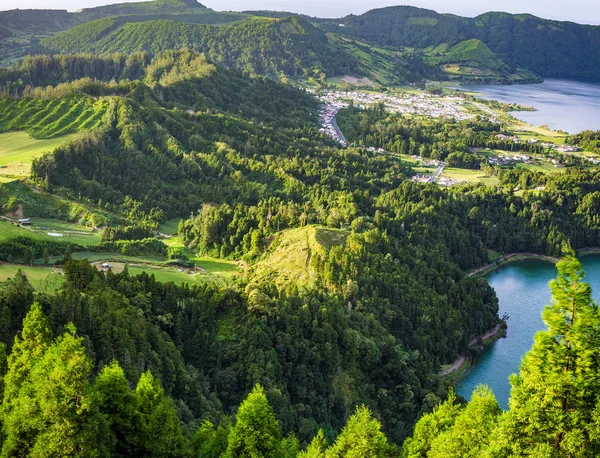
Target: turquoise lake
523, 291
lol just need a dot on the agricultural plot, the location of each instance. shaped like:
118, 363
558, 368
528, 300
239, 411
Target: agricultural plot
206, 269
471, 176
40, 228
45, 279
18, 149
52, 118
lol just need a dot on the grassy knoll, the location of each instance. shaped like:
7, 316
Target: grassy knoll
18, 149
289, 257
41, 278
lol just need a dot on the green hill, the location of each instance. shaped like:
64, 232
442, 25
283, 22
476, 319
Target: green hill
292, 257
289, 46
472, 60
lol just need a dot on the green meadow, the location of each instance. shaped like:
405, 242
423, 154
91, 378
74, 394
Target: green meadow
18, 149
44, 279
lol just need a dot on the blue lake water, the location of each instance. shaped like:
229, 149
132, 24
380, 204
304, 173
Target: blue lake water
523, 291
569, 105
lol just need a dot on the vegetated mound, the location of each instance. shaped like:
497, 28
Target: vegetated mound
474, 51
272, 47
478, 62
294, 256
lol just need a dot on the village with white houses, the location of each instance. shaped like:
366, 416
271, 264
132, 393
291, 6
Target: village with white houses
434, 106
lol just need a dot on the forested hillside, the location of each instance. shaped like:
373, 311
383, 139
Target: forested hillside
275, 48
547, 48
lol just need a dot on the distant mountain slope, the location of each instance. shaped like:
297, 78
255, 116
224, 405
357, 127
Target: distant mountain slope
385, 44
152, 7
472, 61
548, 48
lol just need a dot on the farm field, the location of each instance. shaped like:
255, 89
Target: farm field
71, 232
472, 176
18, 149
44, 279
208, 269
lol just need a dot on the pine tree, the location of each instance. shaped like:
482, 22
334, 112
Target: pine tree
554, 400
256, 432
317, 447
211, 442
361, 437
160, 427
19, 408
116, 402
471, 432
68, 422
430, 426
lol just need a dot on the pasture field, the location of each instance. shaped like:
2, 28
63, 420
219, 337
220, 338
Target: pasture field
170, 227
207, 269
472, 176
45, 279
40, 227
18, 149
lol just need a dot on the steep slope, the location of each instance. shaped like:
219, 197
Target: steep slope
401, 26
549, 48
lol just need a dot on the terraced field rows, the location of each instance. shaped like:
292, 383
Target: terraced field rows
49, 118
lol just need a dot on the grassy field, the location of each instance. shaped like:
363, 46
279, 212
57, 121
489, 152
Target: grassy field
472, 176
18, 149
44, 279
71, 232
170, 227
207, 269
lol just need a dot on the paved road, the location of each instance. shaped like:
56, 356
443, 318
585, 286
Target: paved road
339, 132
438, 172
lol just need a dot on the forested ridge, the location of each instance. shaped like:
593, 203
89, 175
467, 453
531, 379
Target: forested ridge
341, 362
545, 47
501, 47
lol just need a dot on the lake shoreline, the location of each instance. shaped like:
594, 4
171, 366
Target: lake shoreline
515, 257
467, 361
